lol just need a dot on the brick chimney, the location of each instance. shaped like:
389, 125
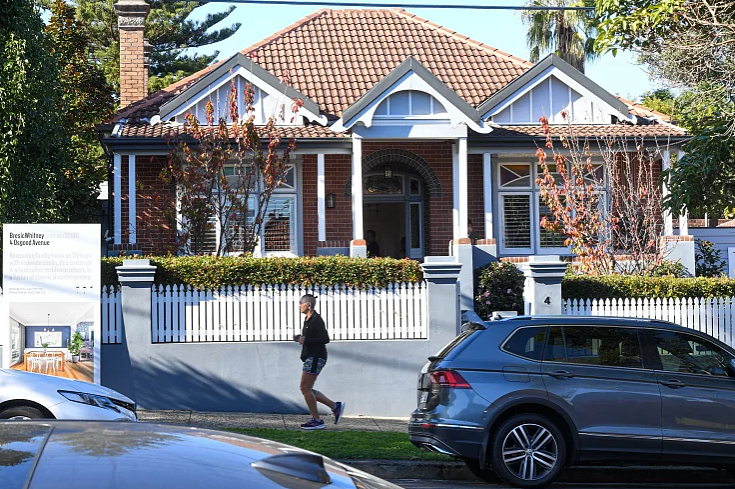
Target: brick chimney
131, 15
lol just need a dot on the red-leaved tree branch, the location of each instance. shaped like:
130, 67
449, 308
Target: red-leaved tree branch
607, 205
225, 177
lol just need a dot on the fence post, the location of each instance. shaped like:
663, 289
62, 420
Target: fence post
441, 274
136, 278
542, 291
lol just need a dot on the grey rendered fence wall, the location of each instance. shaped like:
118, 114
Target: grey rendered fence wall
375, 377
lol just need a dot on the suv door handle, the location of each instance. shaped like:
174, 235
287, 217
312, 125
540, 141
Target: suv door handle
561, 374
674, 384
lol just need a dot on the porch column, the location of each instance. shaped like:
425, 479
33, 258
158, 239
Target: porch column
683, 218
459, 190
668, 221
117, 191
131, 199
487, 182
321, 195
358, 247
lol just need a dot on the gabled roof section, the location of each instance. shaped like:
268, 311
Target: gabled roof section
383, 88
334, 57
549, 62
266, 81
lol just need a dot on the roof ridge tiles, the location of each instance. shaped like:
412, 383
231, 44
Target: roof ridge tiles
451, 33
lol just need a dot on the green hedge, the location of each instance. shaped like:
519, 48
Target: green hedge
622, 286
212, 272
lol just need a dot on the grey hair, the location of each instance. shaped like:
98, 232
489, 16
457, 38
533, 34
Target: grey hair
309, 299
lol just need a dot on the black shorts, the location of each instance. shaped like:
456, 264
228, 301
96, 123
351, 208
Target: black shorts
314, 365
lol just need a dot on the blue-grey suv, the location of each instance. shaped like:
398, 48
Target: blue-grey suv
523, 397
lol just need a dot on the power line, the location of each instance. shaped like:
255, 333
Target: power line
402, 5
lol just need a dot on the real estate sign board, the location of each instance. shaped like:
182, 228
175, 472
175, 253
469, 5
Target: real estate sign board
51, 290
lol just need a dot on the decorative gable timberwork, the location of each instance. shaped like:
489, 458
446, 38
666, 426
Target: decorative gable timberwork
553, 89
411, 102
271, 96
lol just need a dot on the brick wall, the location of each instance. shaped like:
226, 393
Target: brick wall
476, 194
133, 76
154, 233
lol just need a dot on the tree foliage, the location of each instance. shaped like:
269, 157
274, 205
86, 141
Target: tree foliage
83, 99
569, 34
226, 187
169, 30
691, 44
32, 140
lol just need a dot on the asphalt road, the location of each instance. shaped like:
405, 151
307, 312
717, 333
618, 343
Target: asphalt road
424, 484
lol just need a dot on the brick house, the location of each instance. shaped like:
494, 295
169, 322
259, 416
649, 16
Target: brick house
407, 129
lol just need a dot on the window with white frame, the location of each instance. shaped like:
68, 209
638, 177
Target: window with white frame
522, 208
279, 233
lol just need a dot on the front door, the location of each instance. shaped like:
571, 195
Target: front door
394, 215
698, 396
597, 375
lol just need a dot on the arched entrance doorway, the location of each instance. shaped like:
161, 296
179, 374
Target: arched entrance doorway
394, 213
398, 186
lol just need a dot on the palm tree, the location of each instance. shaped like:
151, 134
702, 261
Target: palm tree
570, 34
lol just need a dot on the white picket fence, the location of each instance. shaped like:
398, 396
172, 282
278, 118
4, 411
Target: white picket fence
182, 314
111, 315
713, 316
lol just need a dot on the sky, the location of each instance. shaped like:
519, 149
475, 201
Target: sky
502, 29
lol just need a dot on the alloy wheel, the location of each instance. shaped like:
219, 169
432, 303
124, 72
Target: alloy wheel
530, 452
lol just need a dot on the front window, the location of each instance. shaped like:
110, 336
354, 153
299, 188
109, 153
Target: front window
522, 208
279, 233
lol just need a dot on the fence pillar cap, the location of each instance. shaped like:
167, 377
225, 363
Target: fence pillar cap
544, 266
441, 267
136, 271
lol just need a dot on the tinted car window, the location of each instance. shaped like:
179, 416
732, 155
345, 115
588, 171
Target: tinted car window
458, 340
604, 346
527, 343
555, 346
685, 353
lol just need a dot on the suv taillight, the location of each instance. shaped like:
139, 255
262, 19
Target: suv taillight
448, 378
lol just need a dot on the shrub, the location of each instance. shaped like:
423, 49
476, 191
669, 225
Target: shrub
212, 271
622, 286
709, 260
499, 288
669, 268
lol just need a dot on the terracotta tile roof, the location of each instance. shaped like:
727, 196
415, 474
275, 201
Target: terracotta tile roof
168, 130
335, 56
627, 130
640, 110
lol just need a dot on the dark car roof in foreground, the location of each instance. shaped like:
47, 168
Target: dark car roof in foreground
72, 454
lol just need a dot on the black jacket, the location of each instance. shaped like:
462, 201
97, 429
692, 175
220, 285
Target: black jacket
315, 338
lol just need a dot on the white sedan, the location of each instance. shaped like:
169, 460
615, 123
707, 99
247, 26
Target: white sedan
26, 395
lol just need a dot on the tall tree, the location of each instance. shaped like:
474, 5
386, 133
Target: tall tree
169, 30
689, 43
84, 99
570, 34
31, 136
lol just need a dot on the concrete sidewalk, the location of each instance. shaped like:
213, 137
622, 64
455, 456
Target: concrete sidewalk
449, 470
217, 420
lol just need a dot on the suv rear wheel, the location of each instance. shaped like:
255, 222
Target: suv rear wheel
528, 450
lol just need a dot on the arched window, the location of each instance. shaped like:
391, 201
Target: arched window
410, 103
